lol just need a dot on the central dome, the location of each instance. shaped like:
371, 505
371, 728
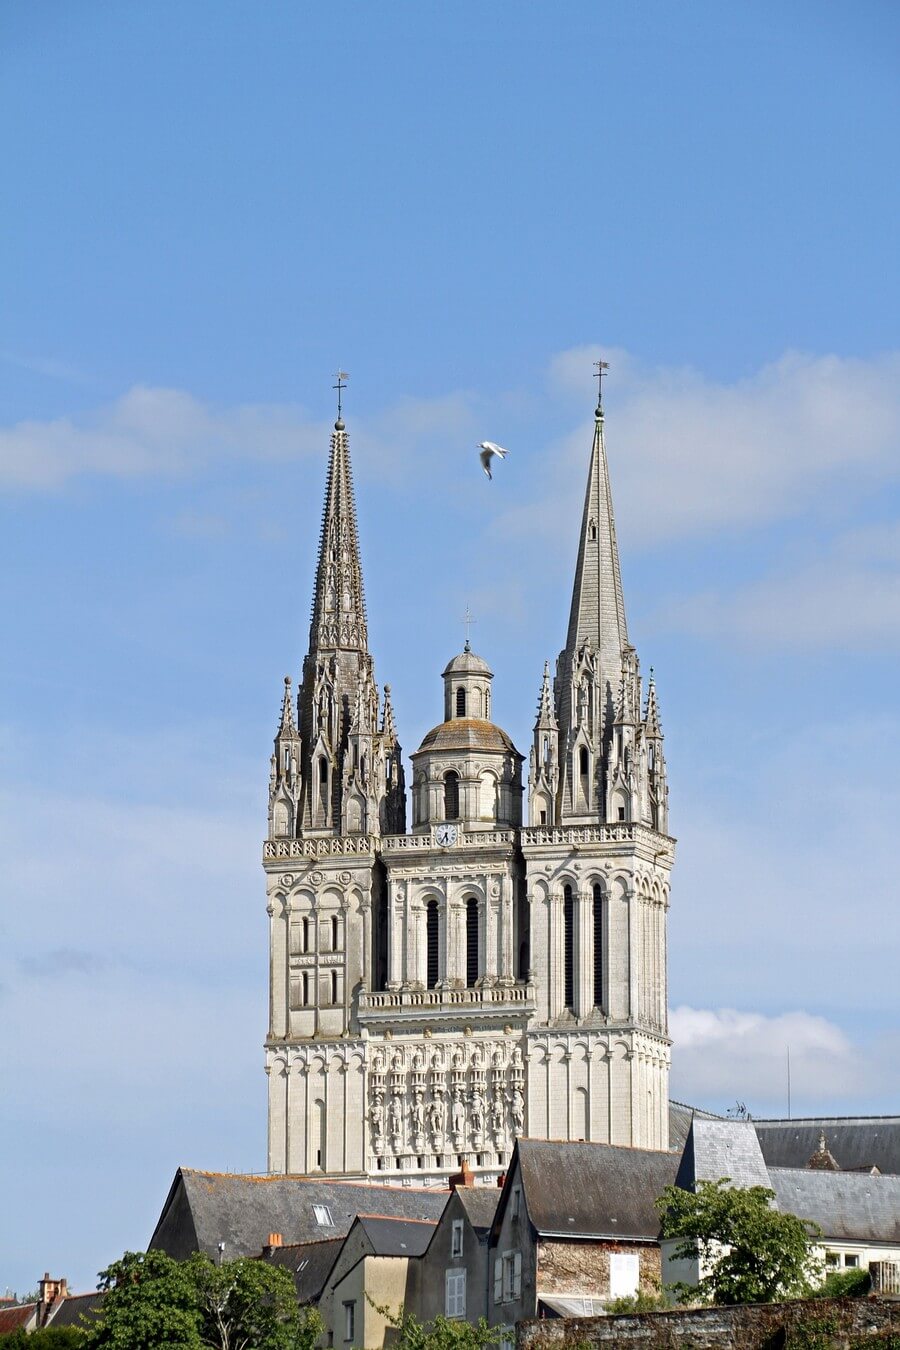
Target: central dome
467, 733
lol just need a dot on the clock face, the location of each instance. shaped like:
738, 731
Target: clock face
445, 835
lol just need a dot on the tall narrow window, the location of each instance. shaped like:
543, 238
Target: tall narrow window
568, 947
334, 986
335, 932
471, 942
583, 758
460, 702
306, 935
598, 947
451, 796
431, 944
305, 990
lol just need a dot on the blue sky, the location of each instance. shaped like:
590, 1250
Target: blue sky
210, 207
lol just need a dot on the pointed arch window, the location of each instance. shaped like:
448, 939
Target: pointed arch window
451, 795
432, 945
584, 761
568, 948
472, 971
460, 702
598, 946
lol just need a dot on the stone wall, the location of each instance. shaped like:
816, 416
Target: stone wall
583, 1267
810, 1324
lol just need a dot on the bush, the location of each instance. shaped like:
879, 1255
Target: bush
844, 1284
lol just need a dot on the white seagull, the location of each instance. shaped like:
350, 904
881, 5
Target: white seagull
488, 451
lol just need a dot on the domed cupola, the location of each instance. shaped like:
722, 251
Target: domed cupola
467, 769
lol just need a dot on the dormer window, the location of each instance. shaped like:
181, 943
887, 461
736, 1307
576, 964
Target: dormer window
460, 702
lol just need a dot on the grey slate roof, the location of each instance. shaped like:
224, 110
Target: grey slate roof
849, 1206
855, 1141
480, 1204
75, 1307
206, 1208
722, 1148
680, 1117
593, 1190
308, 1262
396, 1237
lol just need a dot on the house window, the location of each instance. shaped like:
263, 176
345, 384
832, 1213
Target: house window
568, 947
322, 1216
432, 945
455, 1295
451, 796
508, 1277
851, 1259
456, 1238
516, 1201
349, 1320
832, 1259
460, 702
471, 943
598, 947
624, 1274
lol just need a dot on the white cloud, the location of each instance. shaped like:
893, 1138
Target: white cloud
846, 597
725, 1055
150, 431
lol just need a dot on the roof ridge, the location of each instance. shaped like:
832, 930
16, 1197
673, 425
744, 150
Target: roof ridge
398, 1218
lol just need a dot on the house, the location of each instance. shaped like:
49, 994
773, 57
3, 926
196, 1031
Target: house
454, 1280
576, 1226
858, 1143
309, 1263
375, 1277
231, 1215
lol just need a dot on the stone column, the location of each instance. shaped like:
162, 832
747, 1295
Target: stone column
583, 955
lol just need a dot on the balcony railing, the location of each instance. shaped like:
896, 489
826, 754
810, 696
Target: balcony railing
394, 1000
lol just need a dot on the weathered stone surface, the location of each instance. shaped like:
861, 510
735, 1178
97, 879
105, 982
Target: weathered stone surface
810, 1324
583, 1267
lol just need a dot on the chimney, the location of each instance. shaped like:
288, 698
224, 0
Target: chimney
464, 1177
274, 1240
49, 1292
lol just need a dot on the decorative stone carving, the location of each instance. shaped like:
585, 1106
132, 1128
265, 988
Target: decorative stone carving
518, 1112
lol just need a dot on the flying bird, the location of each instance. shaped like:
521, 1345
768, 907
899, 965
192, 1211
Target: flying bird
488, 451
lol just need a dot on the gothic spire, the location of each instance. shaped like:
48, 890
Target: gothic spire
339, 607
597, 615
546, 716
651, 716
286, 726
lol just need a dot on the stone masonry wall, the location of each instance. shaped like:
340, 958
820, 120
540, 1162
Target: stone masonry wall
809, 1324
583, 1267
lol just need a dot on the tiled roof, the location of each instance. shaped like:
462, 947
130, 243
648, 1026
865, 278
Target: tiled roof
206, 1208
722, 1148
77, 1309
593, 1190
396, 1237
468, 733
847, 1206
308, 1262
855, 1141
19, 1315
480, 1204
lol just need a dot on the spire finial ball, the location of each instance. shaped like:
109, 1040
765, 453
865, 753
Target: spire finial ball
339, 424
287, 680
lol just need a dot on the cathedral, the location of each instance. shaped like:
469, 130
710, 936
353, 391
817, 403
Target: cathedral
449, 975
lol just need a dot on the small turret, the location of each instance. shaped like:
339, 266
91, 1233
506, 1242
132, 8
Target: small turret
284, 779
543, 768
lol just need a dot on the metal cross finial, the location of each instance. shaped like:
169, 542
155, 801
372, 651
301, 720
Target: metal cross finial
601, 368
341, 385
468, 621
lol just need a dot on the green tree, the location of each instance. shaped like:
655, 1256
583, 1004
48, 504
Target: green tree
750, 1251
249, 1305
444, 1333
46, 1338
151, 1304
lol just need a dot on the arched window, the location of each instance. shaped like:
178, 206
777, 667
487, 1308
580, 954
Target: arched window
460, 702
323, 769
432, 949
584, 764
451, 796
471, 943
335, 932
598, 947
568, 948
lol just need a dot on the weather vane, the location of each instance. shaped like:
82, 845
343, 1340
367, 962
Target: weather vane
468, 621
342, 378
601, 368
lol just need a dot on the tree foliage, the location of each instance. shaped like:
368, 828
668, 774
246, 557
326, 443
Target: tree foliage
45, 1338
155, 1303
749, 1251
444, 1333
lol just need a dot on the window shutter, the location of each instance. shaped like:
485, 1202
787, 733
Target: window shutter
498, 1280
517, 1275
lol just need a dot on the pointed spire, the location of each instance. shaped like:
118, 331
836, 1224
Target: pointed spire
597, 615
339, 607
546, 714
652, 723
287, 726
388, 726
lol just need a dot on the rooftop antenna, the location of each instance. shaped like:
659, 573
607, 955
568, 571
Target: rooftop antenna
789, 1080
342, 378
468, 621
601, 367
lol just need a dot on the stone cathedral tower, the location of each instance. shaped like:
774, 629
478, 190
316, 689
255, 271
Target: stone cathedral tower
436, 992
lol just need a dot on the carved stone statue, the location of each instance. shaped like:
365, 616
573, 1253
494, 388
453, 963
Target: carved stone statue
458, 1114
518, 1111
376, 1116
417, 1114
476, 1112
498, 1114
419, 1061
395, 1116
459, 1059
378, 1061
397, 1062
437, 1115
